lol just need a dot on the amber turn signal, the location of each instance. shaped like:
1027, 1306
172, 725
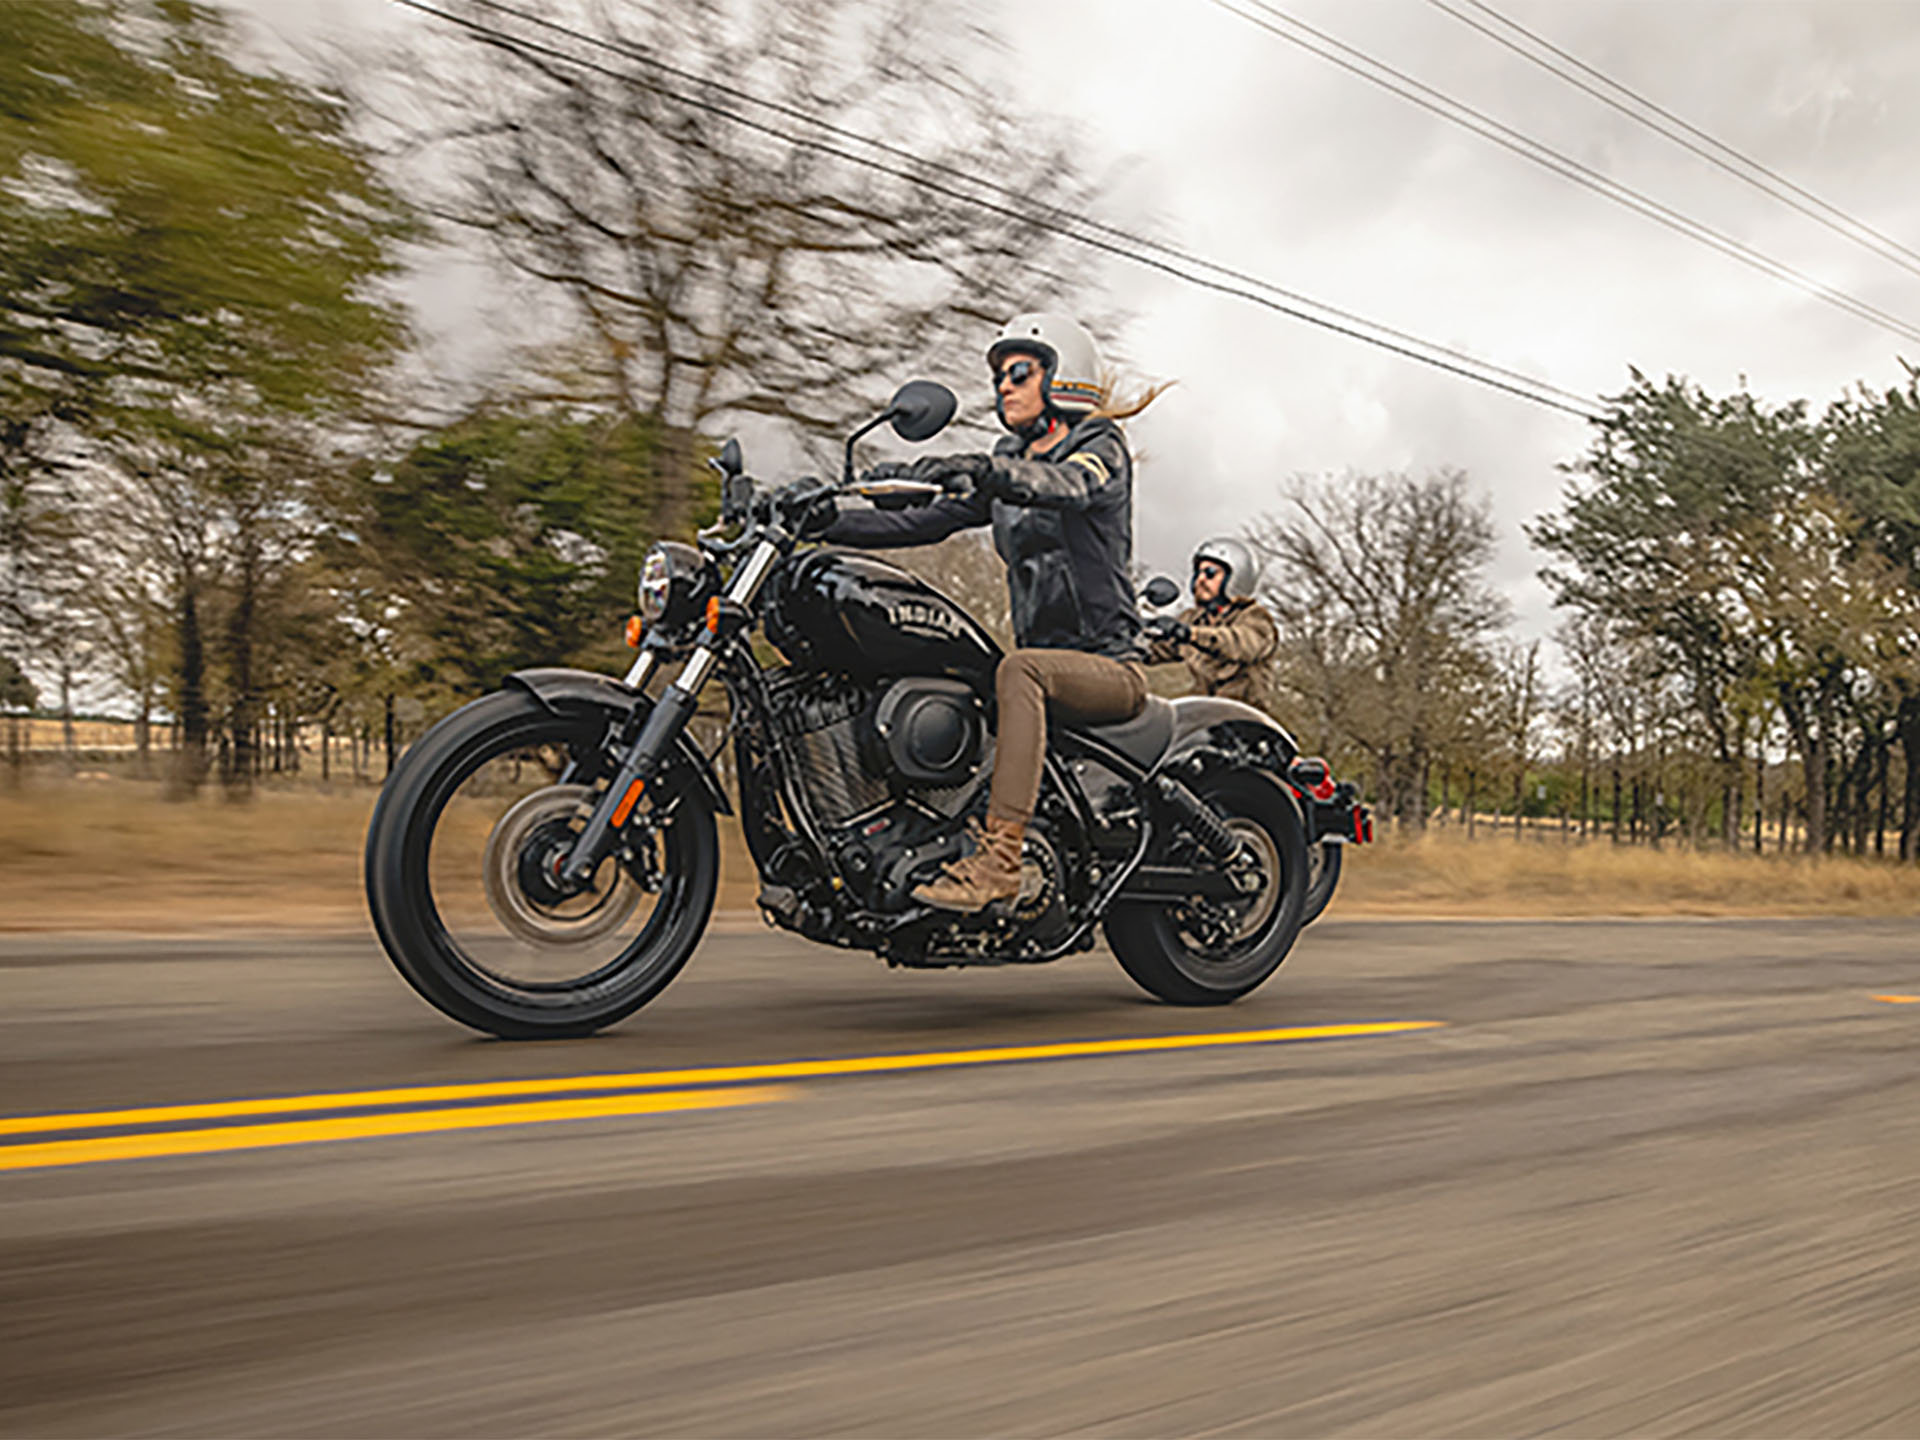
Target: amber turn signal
635, 629
713, 615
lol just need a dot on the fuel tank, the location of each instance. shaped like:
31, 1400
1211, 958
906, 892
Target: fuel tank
851, 612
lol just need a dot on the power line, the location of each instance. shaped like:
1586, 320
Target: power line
1714, 152
1357, 62
1063, 216
1078, 229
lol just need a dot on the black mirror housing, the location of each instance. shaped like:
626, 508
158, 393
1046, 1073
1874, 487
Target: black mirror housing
920, 409
736, 496
1161, 592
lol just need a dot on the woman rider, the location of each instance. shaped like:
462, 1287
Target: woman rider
1058, 492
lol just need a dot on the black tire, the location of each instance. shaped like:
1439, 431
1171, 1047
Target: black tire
1323, 874
400, 890
1153, 942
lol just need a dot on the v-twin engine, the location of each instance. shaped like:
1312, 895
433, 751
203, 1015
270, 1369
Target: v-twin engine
822, 714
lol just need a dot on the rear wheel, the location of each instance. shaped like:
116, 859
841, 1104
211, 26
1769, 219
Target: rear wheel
460, 855
1213, 952
1323, 874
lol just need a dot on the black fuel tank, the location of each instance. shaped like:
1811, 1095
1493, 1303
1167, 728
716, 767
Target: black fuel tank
852, 612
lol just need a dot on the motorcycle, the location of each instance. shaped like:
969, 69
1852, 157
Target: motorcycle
544, 861
1334, 816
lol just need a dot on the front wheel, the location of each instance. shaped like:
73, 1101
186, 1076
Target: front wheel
1213, 952
460, 857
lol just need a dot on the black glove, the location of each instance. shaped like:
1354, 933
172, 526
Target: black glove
816, 517
975, 469
1165, 627
888, 470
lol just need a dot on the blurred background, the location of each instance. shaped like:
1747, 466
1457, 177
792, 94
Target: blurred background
351, 354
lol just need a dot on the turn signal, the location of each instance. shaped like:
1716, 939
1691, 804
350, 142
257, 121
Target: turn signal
713, 615
635, 630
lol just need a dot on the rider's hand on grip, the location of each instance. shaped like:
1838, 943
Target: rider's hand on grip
815, 516
958, 473
1165, 627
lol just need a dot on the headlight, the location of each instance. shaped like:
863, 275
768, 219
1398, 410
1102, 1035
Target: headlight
675, 581
656, 583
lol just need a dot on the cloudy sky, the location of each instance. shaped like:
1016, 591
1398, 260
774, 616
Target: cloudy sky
1252, 152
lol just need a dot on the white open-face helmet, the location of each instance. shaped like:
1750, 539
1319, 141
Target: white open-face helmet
1070, 361
1243, 566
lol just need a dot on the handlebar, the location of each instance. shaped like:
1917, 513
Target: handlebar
783, 505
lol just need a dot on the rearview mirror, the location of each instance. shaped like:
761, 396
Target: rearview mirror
1161, 592
727, 462
920, 409
736, 496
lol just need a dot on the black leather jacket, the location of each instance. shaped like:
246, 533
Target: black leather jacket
1063, 522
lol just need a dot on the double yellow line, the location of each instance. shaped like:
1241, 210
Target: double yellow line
424, 1109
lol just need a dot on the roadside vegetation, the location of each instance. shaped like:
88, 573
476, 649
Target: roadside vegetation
108, 855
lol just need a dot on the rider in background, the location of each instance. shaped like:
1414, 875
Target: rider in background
1227, 637
1058, 492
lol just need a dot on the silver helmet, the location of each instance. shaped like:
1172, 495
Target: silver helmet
1242, 565
1069, 359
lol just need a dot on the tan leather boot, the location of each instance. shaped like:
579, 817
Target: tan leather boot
988, 872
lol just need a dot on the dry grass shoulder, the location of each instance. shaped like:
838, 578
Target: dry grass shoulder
1443, 873
118, 856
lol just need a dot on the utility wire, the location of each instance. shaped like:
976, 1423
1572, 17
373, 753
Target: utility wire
1377, 72
1713, 151
1080, 230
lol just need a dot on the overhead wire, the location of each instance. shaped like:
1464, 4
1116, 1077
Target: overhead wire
1078, 229
1690, 137
1355, 61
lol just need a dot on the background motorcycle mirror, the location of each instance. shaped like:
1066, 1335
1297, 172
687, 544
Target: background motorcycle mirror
727, 462
736, 496
920, 409
1161, 592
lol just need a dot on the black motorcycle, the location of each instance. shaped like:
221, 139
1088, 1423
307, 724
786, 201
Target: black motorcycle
544, 860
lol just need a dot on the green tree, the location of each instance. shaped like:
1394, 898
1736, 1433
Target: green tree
191, 268
510, 539
1873, 463
1652, 529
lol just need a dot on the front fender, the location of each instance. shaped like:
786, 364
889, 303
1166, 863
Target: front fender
554, 687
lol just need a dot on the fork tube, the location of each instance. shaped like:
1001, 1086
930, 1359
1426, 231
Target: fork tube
668, 718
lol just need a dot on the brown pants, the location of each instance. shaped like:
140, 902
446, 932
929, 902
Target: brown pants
1087, 689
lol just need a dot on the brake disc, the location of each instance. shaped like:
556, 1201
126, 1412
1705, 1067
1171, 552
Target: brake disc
522, 850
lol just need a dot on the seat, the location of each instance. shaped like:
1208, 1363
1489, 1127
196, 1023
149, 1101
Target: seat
1143, 739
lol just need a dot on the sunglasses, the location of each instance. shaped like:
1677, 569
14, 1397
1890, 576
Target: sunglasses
1017, 374
1207, 570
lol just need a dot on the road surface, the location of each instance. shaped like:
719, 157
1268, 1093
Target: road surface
1639, 1178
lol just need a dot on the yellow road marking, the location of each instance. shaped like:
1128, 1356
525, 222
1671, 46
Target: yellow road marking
726, 1075
95, 1148
1899, 999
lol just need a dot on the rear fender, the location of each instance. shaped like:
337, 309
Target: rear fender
1211, 733
1209, 724
555, 687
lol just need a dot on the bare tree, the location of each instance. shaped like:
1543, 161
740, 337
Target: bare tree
1383, 579
727, 259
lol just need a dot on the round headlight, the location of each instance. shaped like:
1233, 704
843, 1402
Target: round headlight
656, 583
675, 581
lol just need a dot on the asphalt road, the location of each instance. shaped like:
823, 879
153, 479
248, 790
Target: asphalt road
1643, 1178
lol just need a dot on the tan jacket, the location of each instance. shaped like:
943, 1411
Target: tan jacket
1231, 652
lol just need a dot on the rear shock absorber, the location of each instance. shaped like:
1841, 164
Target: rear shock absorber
1197, 816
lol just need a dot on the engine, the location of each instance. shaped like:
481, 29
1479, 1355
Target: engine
888, 769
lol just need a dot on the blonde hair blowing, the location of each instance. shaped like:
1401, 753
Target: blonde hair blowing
1113, 407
